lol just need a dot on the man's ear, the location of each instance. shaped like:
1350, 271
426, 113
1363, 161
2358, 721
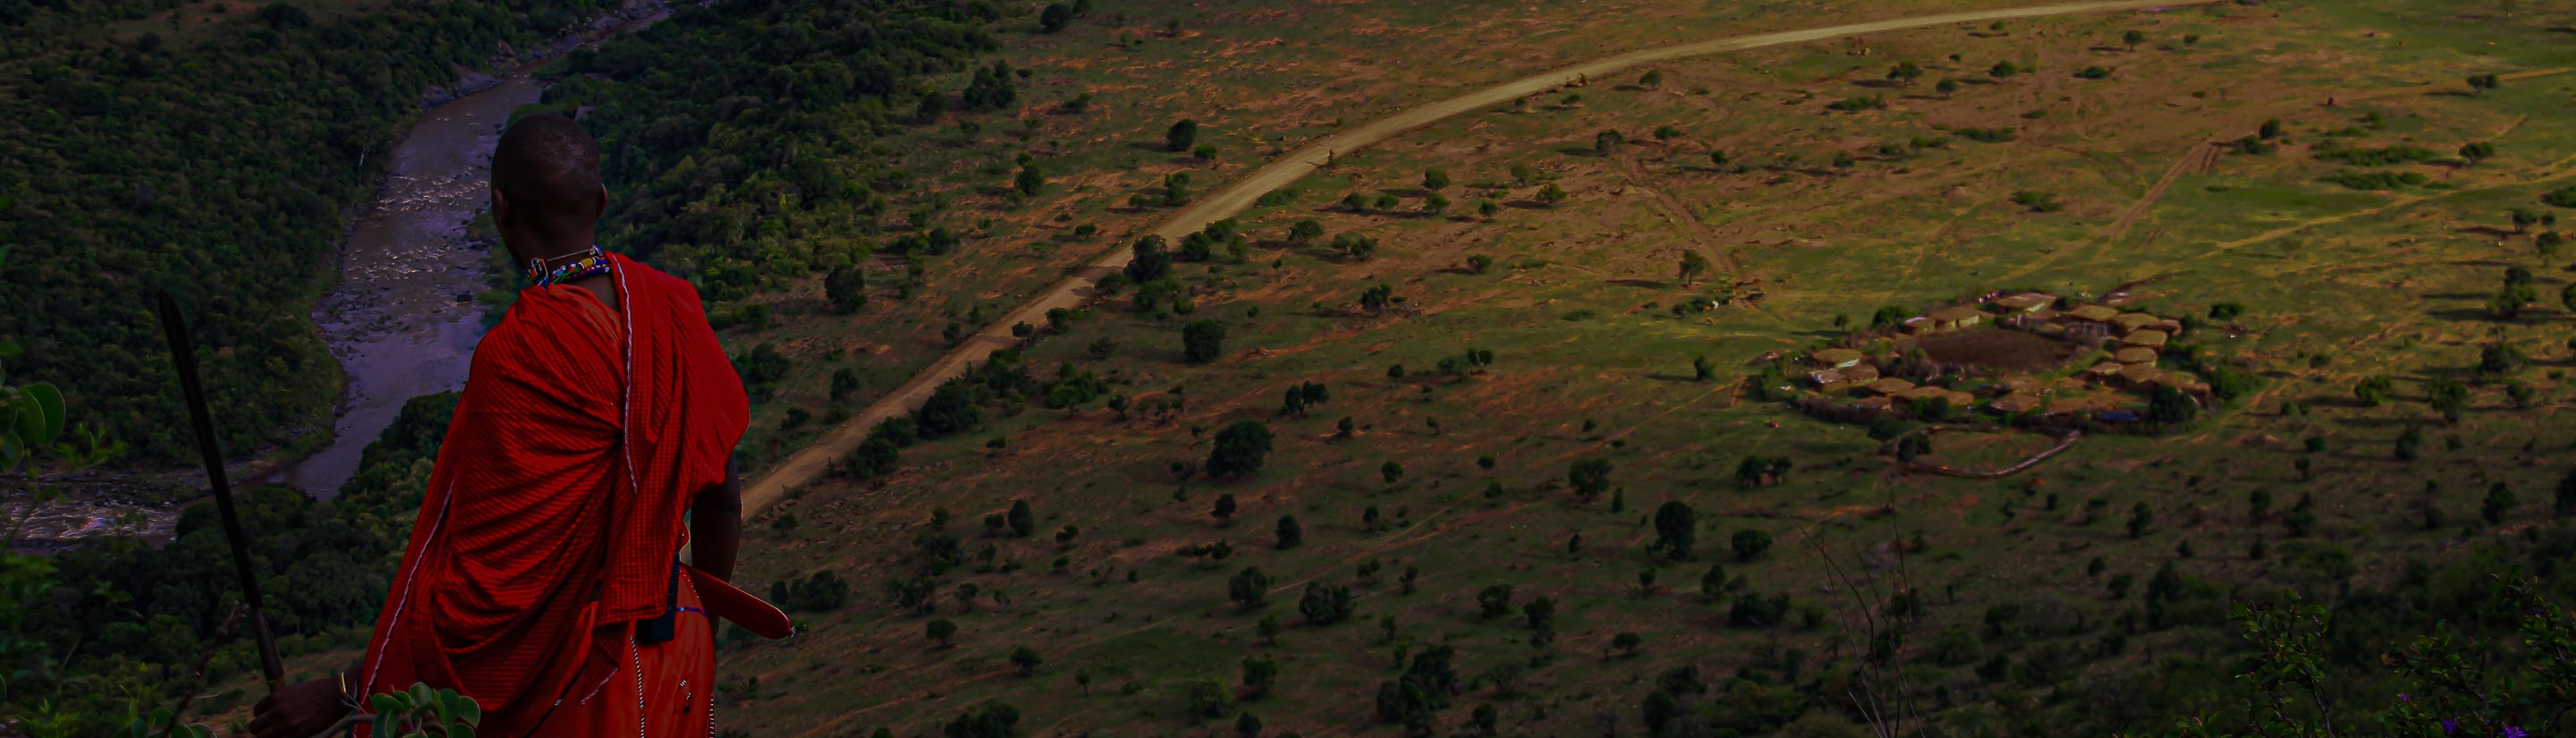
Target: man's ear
500, 207
599, 207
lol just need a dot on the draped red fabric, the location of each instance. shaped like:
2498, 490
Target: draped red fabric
553, 514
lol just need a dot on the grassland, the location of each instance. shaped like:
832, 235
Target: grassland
2339, 285
1827, 212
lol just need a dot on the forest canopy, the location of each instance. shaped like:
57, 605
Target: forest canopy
219, 171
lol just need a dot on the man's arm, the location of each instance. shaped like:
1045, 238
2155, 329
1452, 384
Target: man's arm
715, 525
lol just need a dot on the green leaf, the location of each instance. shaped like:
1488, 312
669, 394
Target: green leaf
50, 402
26, 421
9, 349
383, 703
459, 731
468, 712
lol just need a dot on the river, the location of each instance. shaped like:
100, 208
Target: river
402, 320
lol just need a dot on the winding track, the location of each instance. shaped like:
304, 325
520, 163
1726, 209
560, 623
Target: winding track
809, 463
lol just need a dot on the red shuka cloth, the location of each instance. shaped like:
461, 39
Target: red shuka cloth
553, 514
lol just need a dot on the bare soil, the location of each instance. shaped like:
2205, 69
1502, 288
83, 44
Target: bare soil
1998, 348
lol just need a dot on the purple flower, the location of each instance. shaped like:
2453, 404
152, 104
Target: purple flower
2448, 727
2514, 732
2402, 697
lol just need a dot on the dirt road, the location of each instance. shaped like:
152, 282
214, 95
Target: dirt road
808, 464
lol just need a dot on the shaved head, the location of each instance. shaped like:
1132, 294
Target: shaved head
545, 186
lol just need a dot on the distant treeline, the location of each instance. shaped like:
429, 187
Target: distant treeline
218, 170
742, 146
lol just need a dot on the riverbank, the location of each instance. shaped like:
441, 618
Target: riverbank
402, 321
401, 318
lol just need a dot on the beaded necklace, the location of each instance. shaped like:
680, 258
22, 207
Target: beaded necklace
584, 265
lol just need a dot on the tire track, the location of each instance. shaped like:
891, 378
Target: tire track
809, 463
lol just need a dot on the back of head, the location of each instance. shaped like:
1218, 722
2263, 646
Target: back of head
547, 169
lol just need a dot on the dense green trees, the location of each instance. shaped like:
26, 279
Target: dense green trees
218, 171
1181, 135
157, 609
800, 92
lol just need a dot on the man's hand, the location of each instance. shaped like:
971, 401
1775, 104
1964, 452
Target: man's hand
301, 710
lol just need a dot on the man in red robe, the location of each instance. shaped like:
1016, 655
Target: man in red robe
542, 578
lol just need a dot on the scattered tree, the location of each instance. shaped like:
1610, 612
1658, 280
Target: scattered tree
1750, 544
1608, 142
1202, 341
2480, 84
1495, 600
1905, 72
1628, 642
1023, 522
2477, 151
1026, 658
1305, 231
1551, 194
1029, 181
1676, 528
1239, 449
846, 289
1055, 17
1693, 265
1590, 477
1248, 589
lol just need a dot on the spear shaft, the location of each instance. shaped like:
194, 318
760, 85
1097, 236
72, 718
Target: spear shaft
185, 357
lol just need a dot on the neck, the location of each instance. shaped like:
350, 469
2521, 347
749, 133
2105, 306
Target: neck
551, 249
